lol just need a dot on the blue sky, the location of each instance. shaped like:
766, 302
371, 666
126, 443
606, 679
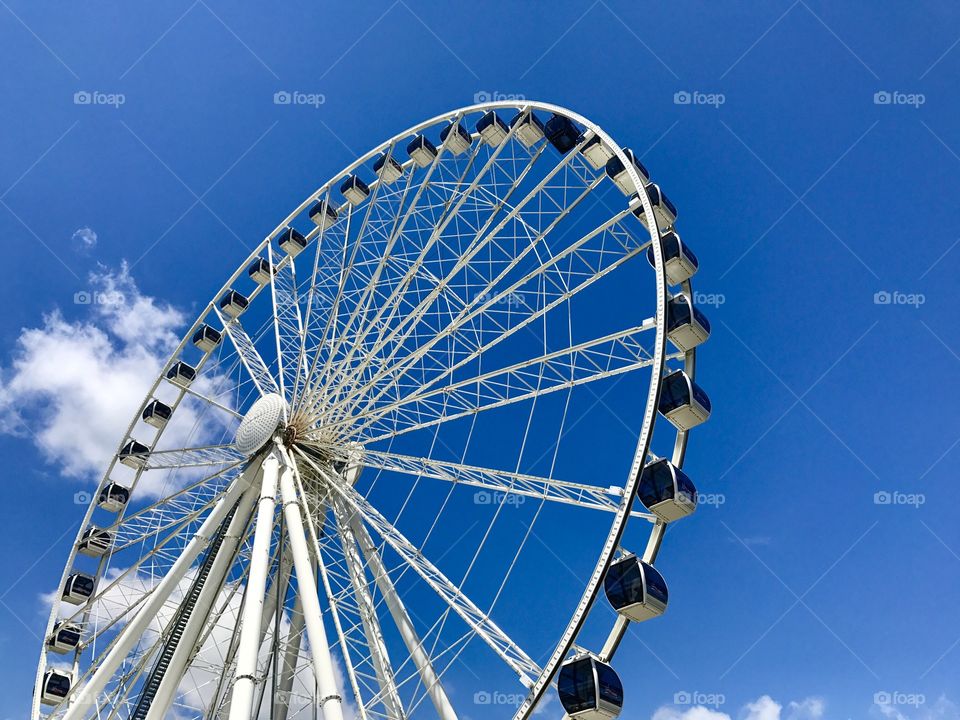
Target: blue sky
814, 165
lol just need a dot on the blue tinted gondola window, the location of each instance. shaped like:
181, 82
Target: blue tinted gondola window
656, 484
611, 689
685, 486
576, 687
702, 319
624, 584
678, 313
656, 587
701, 397
674, 392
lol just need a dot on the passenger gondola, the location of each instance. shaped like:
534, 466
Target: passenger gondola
635, 589
421, 151
323, 214
529, 128
456, 138
157, 413
666, 491
181, 374
665, 210
56, 686
387, 169
589, 689
355, 190
292, 242
134, 454
683, 402
233, 303
207, 338
259, 271
113, 497
64, 638
617, 172
679, 262
95, 542
594, 150
78, 588
492, 129
562, 133
687, 327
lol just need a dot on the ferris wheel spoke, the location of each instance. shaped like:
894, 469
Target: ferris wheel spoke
596, 359
400, 222
370, 623
449, 213
500, 481
249, 356
483, 237
194, 457
488, 299
485, 628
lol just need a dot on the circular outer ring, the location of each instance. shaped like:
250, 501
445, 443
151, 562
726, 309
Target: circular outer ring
539, 686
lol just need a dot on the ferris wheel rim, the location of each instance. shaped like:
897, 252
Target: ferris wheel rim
649, 417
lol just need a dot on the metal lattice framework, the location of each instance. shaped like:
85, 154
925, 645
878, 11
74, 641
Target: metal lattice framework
437, 339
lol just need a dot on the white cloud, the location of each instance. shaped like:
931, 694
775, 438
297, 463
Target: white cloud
72, 387
84, 239
763, 708
697, 712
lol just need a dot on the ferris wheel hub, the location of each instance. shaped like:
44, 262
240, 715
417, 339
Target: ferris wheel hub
260, 423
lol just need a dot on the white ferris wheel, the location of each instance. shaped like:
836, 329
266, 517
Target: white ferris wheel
361, 486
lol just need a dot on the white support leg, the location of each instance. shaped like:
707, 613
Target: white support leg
331, 704
86, 699
187, 646
241, 705
429, 677
291, 656
368, 616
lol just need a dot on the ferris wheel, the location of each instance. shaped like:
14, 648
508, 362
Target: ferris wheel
374, 480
